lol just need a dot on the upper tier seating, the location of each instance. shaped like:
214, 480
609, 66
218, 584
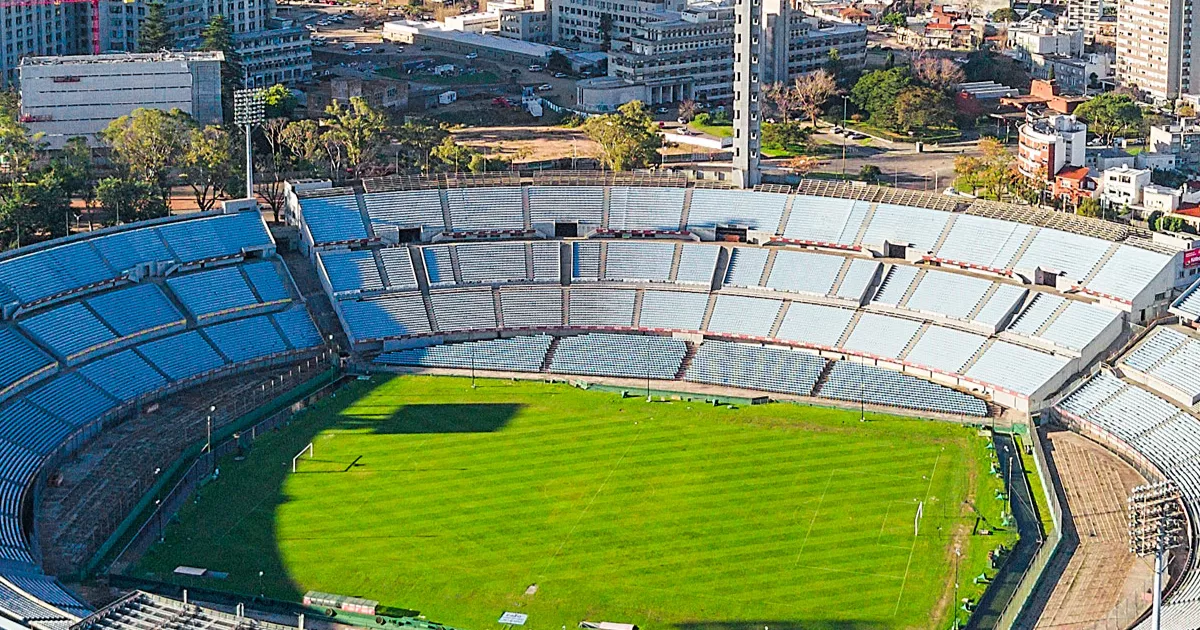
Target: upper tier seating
746, 265
1189, 302
1062, 251
629, 356
1016, 368
138, 310
1078, 325
881, 335
901, 224
984, 242
741, 315
266, 281
439, 266
547, 266
69, 330
763, 368
945, 349
815, 324
1174, 359
464, 310
1128, 272
755, 210
949, 294
566, 204
182, 356
124, 375
697, 264
497, 208
1003, 302
515, 354
246, 339
586, 261
823, 220
531, 307
333, 219
398, 265
645, 208
210, 293
858, 278
298, 328
857, 382
404, 209
601, 307
21, 362
218, 237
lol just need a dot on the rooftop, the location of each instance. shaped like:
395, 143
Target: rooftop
123, 57
494, 42
1073, 173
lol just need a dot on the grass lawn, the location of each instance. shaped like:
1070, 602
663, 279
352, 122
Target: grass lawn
719, 131
426, 494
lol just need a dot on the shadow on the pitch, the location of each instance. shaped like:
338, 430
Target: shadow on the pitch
801, 624
423, 419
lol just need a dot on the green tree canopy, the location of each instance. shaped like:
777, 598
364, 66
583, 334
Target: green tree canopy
155, 33
149, 144
279, 101
628, 139
876, 93
921, 108
895, 19
1109, 115
1005, 14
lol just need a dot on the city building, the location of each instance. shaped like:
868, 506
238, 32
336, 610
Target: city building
1051, 144
1073, 184
530, 25
1123, 186
437, 35
270, 50
1088, 15
689, 54
946, 29
59, 28
1075, 75
1044, 98
1044, 38
1181, 139
1155, 40
591, 24
380, 92
66, 97
486, 22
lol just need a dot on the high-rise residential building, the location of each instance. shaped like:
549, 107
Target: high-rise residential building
1086, 15
38, 30
270, 50
1155, 40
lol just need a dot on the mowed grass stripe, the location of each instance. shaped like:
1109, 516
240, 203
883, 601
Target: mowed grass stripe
427, 494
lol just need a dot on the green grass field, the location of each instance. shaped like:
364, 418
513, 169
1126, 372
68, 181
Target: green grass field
426, 494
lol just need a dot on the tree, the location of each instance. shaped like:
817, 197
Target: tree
74, 167
155, 33
628, 139
788, 136
558, 62
279, 101
148, 144
129, 199
36, 208
217, 36
991, 171
415, 140
870, 173
605, 28
1187, 110
876, 93
688, 109
19, 147
937, 73
456, 157
207, 163
812, 90
273, 164
357, 132
1005, 14
1108, 115
1089, 207
833, 62
303, 139
920, 108
895, 19
782, 99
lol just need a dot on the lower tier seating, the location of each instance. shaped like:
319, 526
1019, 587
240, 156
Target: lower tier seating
755, 367
514, 354
629, 356
858, 382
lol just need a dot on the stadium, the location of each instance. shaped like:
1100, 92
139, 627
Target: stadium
597, 400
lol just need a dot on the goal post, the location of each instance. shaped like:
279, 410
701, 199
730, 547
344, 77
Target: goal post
917, 519
307, 449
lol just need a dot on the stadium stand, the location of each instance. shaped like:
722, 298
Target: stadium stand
492, 262
697, 264
804, 272
207, 294
764, 368
645, 208
948, 294
857, 279
673, 310
746, 266
1072, 254
629, 356
298, 328
590, 307
266, 281
814, 324
1002, 304
124, 375
1016, 368
246, 339
398, 265
395, 315
531, 307
333, 219
182, 356
983, 242
350, 272
900, 224
69, 330
1127, 272
137, 311
894, 286
514, 354
21, 362
1171, 360
851, 381
945, 349
881, 335
497, 208
823, 220
1187, 305
755, 210
547, 265
1079, 324
464, 310
586, 261
404, 209
647, 262
439, 266
566, 204
741, 315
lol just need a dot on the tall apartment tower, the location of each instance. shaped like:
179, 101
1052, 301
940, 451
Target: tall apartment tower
1086, 14
748, 63
42, 29
1155, 40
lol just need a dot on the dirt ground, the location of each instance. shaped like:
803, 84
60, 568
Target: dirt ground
528, 142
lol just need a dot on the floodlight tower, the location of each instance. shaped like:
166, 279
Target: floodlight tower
249, 109
1156, 525
747, 90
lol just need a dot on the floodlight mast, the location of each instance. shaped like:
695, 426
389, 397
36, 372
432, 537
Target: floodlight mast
1156, 525
249, 109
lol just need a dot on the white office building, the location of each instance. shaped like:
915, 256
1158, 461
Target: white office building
66, 97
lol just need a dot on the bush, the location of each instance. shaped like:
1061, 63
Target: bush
704, 119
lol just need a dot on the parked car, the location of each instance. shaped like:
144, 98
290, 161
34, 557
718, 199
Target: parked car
545, 87
560, 75
661, 110
472, 55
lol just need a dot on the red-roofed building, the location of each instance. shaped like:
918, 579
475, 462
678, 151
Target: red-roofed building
1074, 184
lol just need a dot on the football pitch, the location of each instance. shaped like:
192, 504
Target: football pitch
571, 505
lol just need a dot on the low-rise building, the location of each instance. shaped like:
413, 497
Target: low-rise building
946, 29
436, 35
1043, 38
78, 96
1123, 186
1073, 184
1051, 144
380, 92
529, 25
485, 22
1073, 75
1181, 139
